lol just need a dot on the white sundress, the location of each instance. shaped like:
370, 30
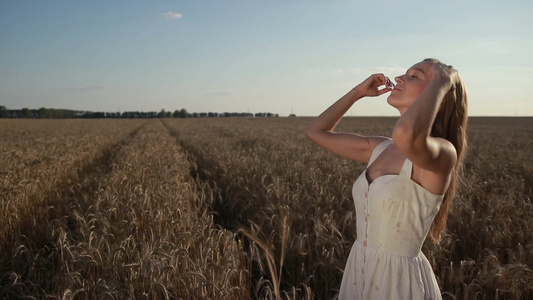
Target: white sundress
394, 215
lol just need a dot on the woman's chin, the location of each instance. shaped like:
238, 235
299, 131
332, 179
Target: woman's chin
395, 101
390, 101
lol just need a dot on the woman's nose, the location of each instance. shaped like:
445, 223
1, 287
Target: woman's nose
398, 79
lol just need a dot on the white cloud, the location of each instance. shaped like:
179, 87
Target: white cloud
172, 15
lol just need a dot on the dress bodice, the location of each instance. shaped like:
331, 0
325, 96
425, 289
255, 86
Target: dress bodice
394, 213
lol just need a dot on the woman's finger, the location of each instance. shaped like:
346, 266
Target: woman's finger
384, 90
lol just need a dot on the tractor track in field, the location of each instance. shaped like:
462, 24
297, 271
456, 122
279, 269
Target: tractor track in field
57, 205
207, 171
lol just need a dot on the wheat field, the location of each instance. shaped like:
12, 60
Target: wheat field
235, 208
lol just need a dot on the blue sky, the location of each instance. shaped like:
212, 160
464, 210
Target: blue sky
257, 56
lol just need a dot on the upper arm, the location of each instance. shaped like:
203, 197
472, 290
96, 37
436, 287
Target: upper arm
437, 155
348, 145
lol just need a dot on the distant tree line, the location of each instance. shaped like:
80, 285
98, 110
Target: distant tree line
51, 113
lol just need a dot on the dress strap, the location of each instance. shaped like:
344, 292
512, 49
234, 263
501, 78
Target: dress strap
407, 168
377, 151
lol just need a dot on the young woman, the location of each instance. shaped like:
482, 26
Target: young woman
405, 192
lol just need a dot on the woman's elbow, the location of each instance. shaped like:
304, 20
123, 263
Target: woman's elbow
309, 132
314, 134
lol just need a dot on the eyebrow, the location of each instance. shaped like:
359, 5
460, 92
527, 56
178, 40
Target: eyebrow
419, 70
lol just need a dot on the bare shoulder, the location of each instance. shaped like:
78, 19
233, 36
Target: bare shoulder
437, 178
447, 155
433, 154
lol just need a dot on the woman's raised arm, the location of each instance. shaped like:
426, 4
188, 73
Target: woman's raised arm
412, 133
348, 145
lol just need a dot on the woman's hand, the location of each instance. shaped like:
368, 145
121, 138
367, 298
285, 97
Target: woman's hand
444, 75
370, 87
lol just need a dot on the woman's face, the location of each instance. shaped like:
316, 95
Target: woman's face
410, 85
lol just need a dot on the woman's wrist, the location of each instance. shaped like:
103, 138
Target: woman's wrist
356, 94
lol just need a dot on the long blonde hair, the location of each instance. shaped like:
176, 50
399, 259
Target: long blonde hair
450, 124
